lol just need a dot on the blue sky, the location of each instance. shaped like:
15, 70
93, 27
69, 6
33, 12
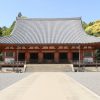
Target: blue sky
89, 10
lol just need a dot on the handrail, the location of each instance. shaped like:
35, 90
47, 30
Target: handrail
15, 62
24, 69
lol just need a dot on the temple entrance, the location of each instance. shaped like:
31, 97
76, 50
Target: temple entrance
48, 57
63, 57
33, 57
21, 56
75, 56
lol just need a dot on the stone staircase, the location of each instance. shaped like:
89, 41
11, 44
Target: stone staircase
49, 68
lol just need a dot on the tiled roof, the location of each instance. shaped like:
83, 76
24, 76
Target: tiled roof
48, 31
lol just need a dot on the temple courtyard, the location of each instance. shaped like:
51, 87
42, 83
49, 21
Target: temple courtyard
50, 86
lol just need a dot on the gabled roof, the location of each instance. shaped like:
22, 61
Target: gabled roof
48, 31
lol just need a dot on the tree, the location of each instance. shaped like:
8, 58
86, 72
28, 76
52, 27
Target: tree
91, 23
89, 30
93, 28
4, 30
84, 24
0, 31
7, 31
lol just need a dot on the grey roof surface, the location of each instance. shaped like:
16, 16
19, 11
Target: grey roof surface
48, 31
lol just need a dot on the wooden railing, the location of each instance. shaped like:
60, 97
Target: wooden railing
96, 62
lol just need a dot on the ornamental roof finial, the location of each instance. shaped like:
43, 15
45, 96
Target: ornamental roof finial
19, 14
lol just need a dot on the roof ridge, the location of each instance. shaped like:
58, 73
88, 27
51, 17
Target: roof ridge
51, 19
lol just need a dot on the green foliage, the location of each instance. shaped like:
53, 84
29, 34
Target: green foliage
4, 30
97, 54
93, 28
89, 30
91, 23
7, 31
0, 31
84, 24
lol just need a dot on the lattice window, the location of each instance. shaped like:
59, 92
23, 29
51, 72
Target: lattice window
9, 54
88, 54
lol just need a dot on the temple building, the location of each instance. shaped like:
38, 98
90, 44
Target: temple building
48, 40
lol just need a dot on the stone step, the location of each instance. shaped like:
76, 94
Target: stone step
92, 69
49, 67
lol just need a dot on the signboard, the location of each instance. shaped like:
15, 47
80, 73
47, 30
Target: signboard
88, 60
9, 60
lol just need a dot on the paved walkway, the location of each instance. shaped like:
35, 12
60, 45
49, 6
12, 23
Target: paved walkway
47, 86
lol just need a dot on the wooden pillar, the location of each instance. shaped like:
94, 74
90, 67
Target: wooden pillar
69, 55
14, 52
81, 55
4, 54
40, 57
94, 55
27, 56
56, 57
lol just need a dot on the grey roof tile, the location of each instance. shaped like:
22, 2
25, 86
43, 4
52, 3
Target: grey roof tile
48, 31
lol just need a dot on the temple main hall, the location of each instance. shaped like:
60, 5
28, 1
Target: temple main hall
48, 40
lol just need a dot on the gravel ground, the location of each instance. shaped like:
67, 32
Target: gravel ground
90, 80
7, 79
